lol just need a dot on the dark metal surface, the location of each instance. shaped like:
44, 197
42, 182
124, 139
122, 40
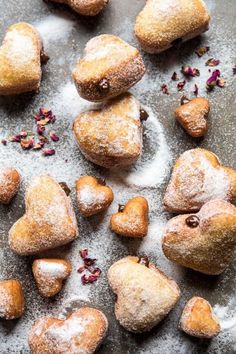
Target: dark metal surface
16, 113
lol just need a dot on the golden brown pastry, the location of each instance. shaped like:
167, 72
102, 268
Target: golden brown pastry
163, 23
20, 60
12, 301
145, 295
49, 275
82, 332
93, 196
112, 135
49, 220
197, 178
193, 116
85, 7
205, 241
198, 319
108, 68
9, 184
132, 218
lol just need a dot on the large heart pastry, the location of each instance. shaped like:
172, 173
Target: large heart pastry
111, 135
49, 220
9, 184
145, 295
108, 68
205, 241
132, 219
20, 60
164, 23
198, 319
82, 332
49, 275
197, 178
12, 301
85, 7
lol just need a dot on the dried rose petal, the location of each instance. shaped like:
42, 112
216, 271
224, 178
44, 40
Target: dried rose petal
40, 129
54, 136
164, 89
83, 253
174, 77
37, 146
180, 85
81, 269
49, 152
88, 279
89, 261
27, 144
234, 69
23, 133
211, 82
221, 83
4, 142
43, 139
212, 62
97, 272
188, 71
15, 138
43, 121
201, 51
196, 90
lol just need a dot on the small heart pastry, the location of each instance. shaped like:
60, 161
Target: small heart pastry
109, 67
162, 24
193, 116
49, 275
85, 7
49, 221
82, 332
132, 219
20, 60
198, 319
93, 196
205, 241
9, 184
12, 301
145, 295
112, 135
197, 178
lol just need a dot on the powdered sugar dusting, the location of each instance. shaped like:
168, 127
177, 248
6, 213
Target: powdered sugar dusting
51, 269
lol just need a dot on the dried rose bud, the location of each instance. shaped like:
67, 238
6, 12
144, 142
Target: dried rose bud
27, 144
81, 269
202, 50
180, 85
88, 279
97, 272
43, 121
4, 142
65, 187
211, 82
54, 136
15, 138
89, 261
37, 146
23, 133
43, 139
49, 152
83, 253
221, 83
174, 77
40, 129
164, 89
212, 62
195, 91
190, 72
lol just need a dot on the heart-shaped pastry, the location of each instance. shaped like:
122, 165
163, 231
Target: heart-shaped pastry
162, 24
85, 7
198, 319
132, 219
9, 184
205, 241
108, 68
82, 332
111, 136
193, 116
145, 295
49, 220
12, 301
20, 60
49, 275
197, 178
93, 196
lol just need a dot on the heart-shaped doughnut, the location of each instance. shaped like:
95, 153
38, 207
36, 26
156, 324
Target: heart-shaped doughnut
49, 220
145, 295
198, 319
12, 301
85, 7
162, 24
82, 332
108, 68
132, 219
112, 135
20, 60
197, 178
93, 196
49, 275
205, 241
193, 116
9, 184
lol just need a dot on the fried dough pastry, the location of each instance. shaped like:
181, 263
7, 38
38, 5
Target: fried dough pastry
205, 241
49, 220
197, 178
193, 116
93, 196
109, 67
49, 275
9, 184
132, 219
82, 332
20, 60
163, 23
198, 319
111, 136
85, 7
12, 301
145, 295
